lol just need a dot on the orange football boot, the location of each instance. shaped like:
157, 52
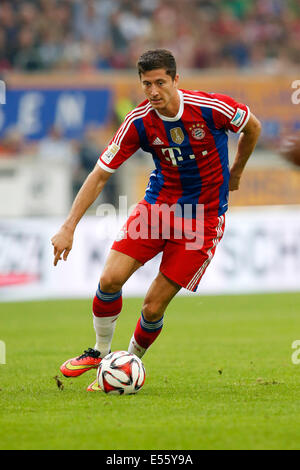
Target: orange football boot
90, 359
94, 387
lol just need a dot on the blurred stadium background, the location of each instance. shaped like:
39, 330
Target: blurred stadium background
69, 72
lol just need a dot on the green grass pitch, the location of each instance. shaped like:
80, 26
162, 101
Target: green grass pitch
220, 376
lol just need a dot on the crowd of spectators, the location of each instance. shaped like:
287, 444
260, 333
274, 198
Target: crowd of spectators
88, 35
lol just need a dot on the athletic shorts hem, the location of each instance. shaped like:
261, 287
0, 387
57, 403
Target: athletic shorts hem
125, 252
176, 281
180, 283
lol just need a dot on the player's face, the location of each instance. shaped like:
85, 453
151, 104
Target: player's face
161, 91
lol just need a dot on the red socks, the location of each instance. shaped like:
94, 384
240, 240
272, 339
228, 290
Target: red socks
106, 309
105, 305
144, 335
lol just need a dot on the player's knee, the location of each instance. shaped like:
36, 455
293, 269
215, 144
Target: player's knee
152, 311
109, 283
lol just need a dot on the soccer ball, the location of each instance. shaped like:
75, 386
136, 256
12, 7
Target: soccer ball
121, 373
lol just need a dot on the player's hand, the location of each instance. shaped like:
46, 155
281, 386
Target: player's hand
234, 182
62, 243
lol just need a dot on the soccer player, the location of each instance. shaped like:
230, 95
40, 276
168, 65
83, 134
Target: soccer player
186, 133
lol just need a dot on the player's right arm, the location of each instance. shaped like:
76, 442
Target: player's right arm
90, 190
125, 142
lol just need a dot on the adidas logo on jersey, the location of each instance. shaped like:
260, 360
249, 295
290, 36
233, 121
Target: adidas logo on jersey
157, 141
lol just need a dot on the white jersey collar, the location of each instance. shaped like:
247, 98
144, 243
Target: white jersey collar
178, 115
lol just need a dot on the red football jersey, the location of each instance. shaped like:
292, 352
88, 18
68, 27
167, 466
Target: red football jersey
189, 150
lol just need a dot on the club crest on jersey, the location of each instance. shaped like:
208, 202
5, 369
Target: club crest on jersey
197, 131
177, 135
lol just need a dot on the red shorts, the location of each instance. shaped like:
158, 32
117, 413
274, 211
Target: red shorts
187, 249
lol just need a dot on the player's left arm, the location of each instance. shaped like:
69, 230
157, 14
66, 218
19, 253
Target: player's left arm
246, 144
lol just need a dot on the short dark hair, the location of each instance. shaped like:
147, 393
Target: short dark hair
157, 59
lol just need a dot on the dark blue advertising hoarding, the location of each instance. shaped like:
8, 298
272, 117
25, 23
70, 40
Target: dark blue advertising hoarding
35, 111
